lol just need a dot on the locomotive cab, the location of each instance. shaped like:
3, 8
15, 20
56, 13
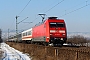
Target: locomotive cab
57, 31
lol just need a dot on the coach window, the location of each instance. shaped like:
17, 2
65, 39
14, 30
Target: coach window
23, 34
26, 33
29, 33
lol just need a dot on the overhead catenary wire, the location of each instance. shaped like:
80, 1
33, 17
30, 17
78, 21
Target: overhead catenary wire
53, 6
24, 7
68, 12
50, 8
58, 4
72, 7
75, 10
18, 23
22, 20
65, 13
21, 12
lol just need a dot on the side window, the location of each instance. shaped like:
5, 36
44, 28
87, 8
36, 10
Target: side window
26, 34
23, 34
29, 33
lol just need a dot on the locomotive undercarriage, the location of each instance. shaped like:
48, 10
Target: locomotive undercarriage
52, 42
57, 41
40, 41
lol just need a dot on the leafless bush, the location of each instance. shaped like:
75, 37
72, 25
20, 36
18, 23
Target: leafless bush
78, 40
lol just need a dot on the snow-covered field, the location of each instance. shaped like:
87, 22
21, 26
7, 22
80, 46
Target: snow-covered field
13, 54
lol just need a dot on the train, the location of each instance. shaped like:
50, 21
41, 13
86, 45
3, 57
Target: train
51, 31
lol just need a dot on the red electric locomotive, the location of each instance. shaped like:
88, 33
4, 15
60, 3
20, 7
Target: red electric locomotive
50, 32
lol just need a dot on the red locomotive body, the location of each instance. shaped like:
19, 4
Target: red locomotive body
52, 31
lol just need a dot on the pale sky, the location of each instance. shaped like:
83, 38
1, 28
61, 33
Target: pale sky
76, 13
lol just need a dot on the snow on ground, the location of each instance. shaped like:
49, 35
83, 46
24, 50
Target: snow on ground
13, 54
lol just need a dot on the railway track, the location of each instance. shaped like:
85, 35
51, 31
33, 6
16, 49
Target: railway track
68, 47
50, 53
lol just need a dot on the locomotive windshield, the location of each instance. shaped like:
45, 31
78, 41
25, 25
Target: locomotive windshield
53, 24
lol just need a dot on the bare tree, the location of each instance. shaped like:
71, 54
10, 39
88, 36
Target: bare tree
77, 40
0, 35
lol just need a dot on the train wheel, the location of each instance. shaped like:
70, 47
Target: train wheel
29, 42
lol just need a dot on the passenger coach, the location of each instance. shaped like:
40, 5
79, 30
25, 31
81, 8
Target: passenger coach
27, 36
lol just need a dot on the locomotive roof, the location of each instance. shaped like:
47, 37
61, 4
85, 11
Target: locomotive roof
49, 18
52, 17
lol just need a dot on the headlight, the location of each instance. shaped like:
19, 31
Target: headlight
62, 31
63, 34
61, 38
